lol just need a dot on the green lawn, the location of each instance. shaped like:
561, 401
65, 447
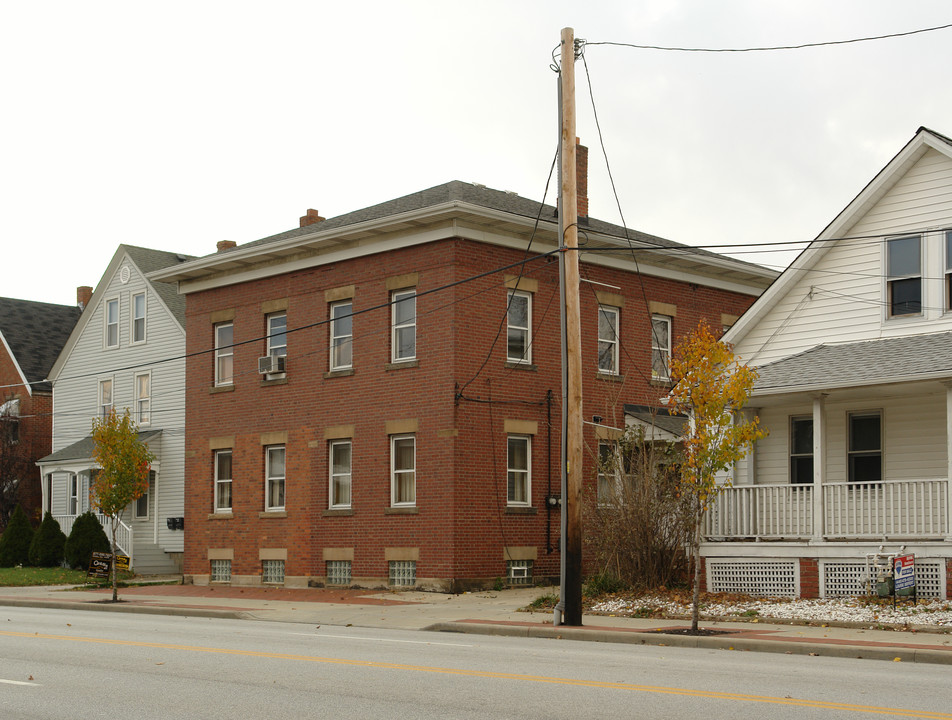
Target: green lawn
17, 577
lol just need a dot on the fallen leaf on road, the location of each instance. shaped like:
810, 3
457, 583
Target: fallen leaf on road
31, 677
897, 659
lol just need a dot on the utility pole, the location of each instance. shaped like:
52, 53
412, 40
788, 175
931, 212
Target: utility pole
569, 611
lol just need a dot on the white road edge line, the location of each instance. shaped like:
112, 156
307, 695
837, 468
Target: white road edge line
18, 682
375, 639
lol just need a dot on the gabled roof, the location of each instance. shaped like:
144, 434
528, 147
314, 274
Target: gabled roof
479, 207
924, 140
147, 261
872, 362
35, 333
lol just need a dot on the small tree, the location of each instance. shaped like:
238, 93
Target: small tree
46, 550
710, 386
16, 539
124, 471
86, 537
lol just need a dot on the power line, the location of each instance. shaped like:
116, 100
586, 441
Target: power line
801, 46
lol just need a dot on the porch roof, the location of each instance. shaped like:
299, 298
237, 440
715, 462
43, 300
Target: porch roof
871, 362
83, 449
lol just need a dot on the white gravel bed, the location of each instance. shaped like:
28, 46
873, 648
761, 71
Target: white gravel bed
931, 612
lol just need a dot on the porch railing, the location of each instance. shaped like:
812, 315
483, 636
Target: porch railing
894, 508
123, 531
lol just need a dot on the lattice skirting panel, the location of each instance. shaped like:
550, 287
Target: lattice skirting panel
847, 578
772, 578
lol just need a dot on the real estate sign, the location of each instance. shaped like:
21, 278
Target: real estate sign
101, 564
904, 571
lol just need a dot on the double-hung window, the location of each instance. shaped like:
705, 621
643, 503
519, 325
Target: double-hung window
223, 481
519, 327
948, 269
660, 347
609, 473
111, 329
138, 318
342, 336
277, 335
403, 470
72, 498
403, 325
904, 275
224, 354
865, 453
518, 462
143, 385
801, 450
340, 465
274, 478
608, 339
105, 398
142, 502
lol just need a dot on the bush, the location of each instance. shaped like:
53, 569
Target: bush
86, 537
16, 539
603, 584
47, 547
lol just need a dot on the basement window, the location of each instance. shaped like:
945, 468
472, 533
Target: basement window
221, 571
339, 572
519, 572
272, 572
403, 573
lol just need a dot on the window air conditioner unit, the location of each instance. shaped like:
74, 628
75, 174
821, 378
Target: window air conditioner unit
272, 364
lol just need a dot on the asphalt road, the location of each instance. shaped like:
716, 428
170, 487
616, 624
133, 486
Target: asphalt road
69, 664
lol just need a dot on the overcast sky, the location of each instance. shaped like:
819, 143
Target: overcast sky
177, 124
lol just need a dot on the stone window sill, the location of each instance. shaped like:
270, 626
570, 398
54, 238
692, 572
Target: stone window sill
338, 373
401, 511
609, 377
338, 512
277, 380
221, 389
531, 367
401, 365
220, 516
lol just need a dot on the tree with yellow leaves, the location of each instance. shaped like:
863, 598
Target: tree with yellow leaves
124, 462
711, 387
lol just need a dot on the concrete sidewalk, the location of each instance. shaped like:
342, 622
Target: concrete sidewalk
487, 613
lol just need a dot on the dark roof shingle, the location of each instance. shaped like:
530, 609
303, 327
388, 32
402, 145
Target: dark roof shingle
36, 333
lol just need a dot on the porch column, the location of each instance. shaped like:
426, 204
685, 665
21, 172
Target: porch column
948, 455
819, 464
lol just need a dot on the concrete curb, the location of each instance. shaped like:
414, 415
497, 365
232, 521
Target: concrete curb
892, 654
120, 608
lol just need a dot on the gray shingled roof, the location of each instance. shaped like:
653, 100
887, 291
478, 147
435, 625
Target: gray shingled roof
36, 332
861, 363
83, 449
480, 196
148, 261
661, 418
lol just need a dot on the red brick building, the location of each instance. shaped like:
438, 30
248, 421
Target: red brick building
375, 398
31, 337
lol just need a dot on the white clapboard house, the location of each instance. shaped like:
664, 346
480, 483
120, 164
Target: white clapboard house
853, 343
126, 352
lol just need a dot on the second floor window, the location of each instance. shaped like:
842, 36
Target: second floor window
138, 318
904, 276
105, 397
342, 336
112, 323
608, 340
403, 340
277, 335
224, 354
660, 347
143, 398
519, 327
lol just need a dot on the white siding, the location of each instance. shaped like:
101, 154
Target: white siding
842, 298
76, 395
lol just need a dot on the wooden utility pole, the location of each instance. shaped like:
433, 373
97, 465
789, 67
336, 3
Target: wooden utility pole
571, 591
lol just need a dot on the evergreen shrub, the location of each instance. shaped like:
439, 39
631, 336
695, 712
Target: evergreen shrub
16, 539
48, 544
86, 537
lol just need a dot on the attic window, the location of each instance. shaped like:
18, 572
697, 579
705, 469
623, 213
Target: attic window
904, 276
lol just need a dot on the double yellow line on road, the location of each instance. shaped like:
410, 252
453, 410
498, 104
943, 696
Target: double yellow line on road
686, 692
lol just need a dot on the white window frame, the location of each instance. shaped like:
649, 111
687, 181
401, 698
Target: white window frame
277, 341
524, 331
138, 336
72, 494
407, 295
339, 339
609, 343
272, 479
104, 408
138, 512
947, 238
519, 572
519, 475
224, 351
795, 421
659, 350
851, 453
893, 278
221, 482
143, 401
397, 474
340, 479
110, 324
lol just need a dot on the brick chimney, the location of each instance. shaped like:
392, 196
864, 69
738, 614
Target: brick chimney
84, 294
312, 218
581, 178
226, 245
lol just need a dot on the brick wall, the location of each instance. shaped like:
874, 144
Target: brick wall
809, 578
